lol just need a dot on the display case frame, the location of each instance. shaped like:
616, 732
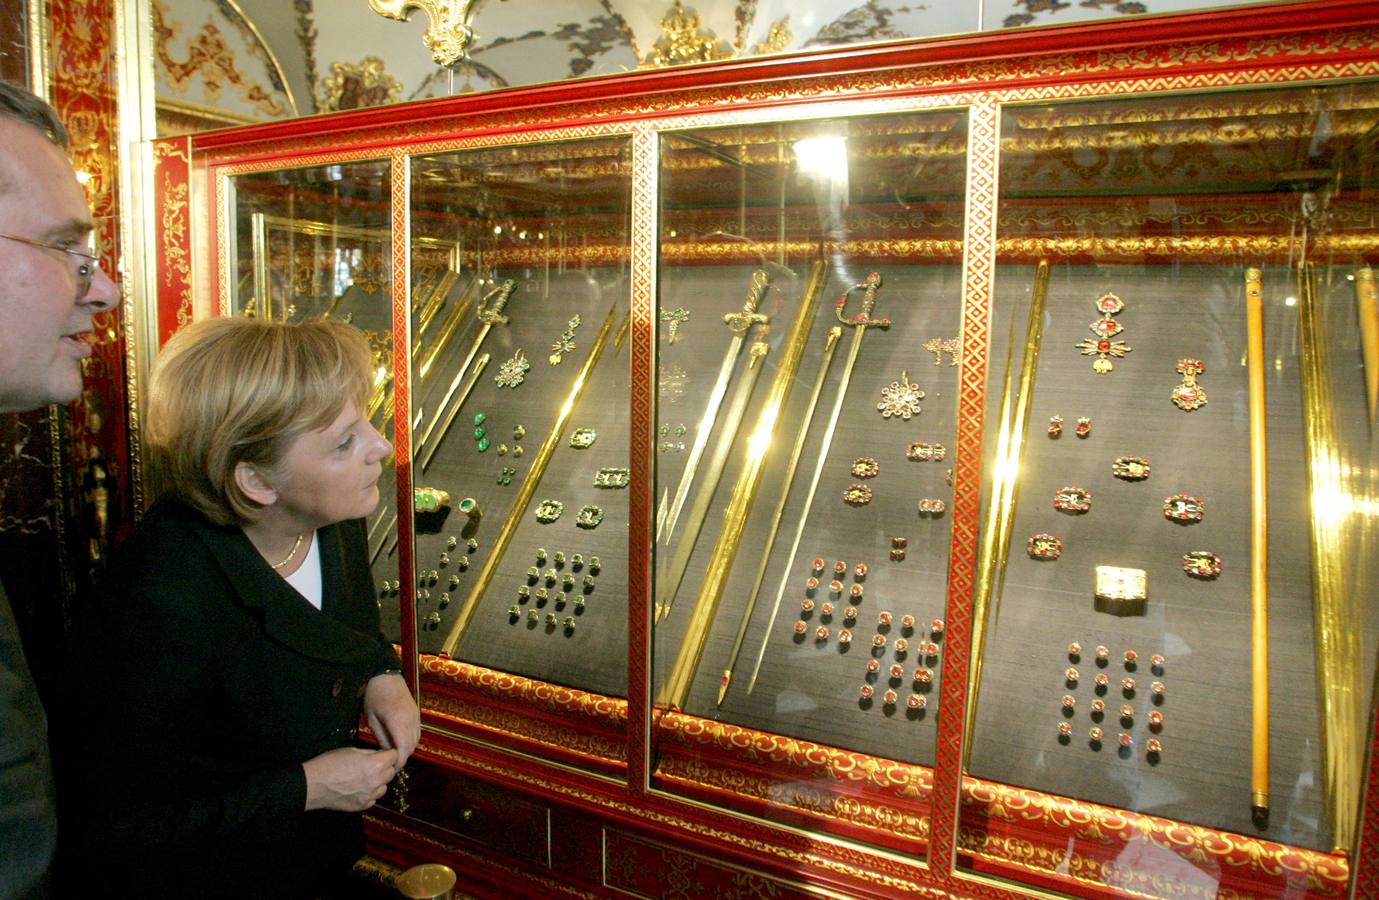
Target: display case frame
697, 790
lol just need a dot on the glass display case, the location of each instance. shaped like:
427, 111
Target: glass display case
869, 474
1182, 500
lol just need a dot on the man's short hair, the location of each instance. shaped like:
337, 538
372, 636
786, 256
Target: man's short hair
21, 104
228, 390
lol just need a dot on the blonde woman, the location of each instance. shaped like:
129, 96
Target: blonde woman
237, 640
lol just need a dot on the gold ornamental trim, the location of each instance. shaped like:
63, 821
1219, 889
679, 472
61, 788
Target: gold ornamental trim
176, 255
684, 40
846, 861
964, 79
1203, 247
608, 711
209, 55
515, 723
1031, 811
821, 799
372, 85
900, 779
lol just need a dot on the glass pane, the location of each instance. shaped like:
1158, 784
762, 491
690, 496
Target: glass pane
314, 242
519, 402
803, 455
1195, 489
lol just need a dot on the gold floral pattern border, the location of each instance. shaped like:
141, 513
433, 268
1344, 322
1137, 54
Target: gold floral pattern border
515, 723
1041, 826
883, 872
1200, 248
816, 799
611, 712
901, 780
1291, 58
171, 161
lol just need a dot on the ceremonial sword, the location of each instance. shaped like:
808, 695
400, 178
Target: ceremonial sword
859, 324
832, 343
668, 585
474, 374
490, 316
738, 323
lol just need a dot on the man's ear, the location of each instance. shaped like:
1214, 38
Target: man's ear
254, 485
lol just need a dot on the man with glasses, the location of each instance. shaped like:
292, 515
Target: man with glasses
51, 285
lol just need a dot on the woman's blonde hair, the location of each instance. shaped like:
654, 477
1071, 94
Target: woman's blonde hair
229, 390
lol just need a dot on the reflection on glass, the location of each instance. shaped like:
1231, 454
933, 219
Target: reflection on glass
313, 242
519, 393
802, 444
1177, 606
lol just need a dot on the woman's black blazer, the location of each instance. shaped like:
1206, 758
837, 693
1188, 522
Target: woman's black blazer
203, 681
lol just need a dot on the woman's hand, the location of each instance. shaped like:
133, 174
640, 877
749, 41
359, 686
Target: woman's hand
392, 714
349, 779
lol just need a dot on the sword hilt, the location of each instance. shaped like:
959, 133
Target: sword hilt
493, 314
862, 319
739, 322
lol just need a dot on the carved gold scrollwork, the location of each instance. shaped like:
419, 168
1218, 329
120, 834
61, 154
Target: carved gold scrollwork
449, 33
351, 86
683, 40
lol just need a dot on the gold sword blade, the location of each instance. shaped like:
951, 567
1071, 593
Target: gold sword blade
859, 328
454, 410
740, 324
668, 585
528, 489
1259, 551
831, 344
427, 353
490, 316
993, 548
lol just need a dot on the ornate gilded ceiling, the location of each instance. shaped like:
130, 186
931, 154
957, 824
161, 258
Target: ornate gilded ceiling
221, 62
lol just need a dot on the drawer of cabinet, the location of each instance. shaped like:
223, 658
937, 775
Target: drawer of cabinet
495, 817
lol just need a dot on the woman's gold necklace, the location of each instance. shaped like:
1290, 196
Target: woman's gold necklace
295, 548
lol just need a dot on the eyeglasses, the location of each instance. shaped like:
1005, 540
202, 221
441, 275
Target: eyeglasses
86, 269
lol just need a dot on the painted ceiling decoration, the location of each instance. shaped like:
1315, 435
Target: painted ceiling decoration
231, 61
230, 70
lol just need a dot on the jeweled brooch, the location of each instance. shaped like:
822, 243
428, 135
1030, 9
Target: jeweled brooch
549, 511
514, 371
1072, 499
1130, 468
857, 495
1184, 508
900, 398
1202, 564
1044, 546
1105, 328
1189, 395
